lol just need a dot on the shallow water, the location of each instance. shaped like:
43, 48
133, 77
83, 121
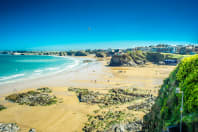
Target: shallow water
15, 67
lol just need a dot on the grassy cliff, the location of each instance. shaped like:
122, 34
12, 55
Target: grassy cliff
166, 110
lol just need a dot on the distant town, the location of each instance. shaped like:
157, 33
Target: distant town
160, 48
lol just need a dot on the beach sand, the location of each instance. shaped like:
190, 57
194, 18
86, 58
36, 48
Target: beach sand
70, 115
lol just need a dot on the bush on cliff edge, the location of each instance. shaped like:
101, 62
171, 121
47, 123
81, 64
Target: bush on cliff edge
166, 110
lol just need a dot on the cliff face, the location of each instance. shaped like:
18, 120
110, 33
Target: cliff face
166, 110
122, 60
129, 59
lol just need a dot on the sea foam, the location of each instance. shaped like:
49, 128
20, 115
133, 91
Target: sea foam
11, 77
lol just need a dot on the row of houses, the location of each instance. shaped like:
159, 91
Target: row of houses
180, 49
161, 48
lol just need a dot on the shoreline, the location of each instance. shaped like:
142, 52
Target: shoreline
50, 79
36, 73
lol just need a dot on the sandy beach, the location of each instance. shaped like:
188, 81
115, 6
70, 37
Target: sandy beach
69, 114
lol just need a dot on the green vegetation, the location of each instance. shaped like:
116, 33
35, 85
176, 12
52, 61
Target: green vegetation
188, 77
155, 57
175, 56
166, 110
2, 107
138, 56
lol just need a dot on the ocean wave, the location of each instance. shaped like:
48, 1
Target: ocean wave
37, 71
35, 61
76, 62
67, 67
11, 77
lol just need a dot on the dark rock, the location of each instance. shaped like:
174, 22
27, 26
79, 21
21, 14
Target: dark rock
32, 130
100, 54
44, 90
80, 53
133, 58
87, 61
2, 107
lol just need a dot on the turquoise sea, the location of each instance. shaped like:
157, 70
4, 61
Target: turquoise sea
17, 67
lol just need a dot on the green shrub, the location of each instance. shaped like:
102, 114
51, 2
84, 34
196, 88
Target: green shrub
188, 77
166, 110
155, 57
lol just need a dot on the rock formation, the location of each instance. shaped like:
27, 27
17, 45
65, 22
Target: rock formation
122, 60
128, 59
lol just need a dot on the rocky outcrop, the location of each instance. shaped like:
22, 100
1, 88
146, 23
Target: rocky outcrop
138, 57
80, 53
2, 107
113, 97
33, 98
9, 127
84, 95
44, 90
87, 61
100, 54
112, 121
122, 60
112, 115
129, 59
146, 106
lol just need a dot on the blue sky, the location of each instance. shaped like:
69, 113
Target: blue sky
81, 24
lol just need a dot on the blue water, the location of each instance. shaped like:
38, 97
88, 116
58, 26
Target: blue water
16, 67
